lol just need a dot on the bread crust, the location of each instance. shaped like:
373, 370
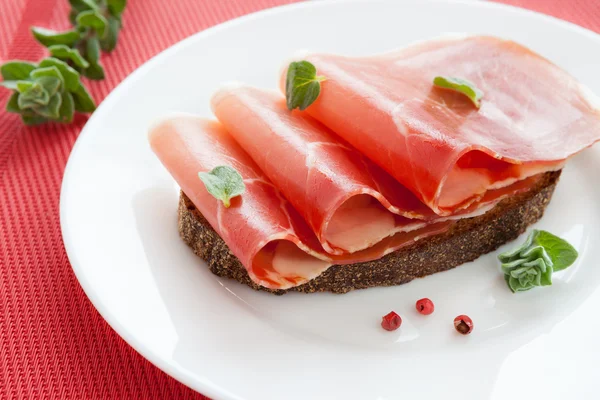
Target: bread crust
465, 241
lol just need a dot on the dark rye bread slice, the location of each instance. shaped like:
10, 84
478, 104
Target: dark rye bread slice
467, 239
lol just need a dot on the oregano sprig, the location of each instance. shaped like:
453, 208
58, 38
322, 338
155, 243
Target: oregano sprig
96, 27
48, 91
51, 90
533, 263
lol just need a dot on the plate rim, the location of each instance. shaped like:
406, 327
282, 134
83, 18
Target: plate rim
199, 384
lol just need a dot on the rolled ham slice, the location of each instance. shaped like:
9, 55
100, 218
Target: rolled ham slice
533, 115
348, 201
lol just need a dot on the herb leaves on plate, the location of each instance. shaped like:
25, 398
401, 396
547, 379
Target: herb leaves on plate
533, 263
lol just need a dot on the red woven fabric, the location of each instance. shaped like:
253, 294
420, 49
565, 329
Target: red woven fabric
53, 343
581, 12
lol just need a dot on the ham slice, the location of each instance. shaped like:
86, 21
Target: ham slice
261, 228
533, 115
348, 201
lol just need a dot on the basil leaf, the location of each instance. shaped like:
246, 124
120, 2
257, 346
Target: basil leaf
48, 37
302, 85
67, 108
83, 101
109, 42
71, 77
66, 53
561, 252
15, 70
223, 183
461, 86
13, 104
12, 85
116, 7
51, 110
33, 119
94, 20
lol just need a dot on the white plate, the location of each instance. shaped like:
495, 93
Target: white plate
118, 214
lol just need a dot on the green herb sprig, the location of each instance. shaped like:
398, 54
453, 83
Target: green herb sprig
48, 91
97, 24
51, 90
533, 263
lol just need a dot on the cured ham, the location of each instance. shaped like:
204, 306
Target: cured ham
382, 158
533, 115
349, 202
262, 229
187, 144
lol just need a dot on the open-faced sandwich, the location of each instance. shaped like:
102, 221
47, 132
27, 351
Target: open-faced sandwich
394, 166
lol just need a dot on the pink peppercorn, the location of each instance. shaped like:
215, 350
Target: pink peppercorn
391, 321
463, 324
425, 306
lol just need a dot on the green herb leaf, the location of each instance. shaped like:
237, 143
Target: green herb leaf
533, 263
15, 70
561, 252
116, 7
34, 96
67, 108
83, 5
83, 101
24, 85
48, 37
461, 86
94, 72
94, 20
13, 104
71, 77
52, 109
51, 84
302, 85
47, 71
223, 183
12, 85
109, 42
33, 119
92, 50
66, 53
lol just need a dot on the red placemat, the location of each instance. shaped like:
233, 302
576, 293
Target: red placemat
53, 343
